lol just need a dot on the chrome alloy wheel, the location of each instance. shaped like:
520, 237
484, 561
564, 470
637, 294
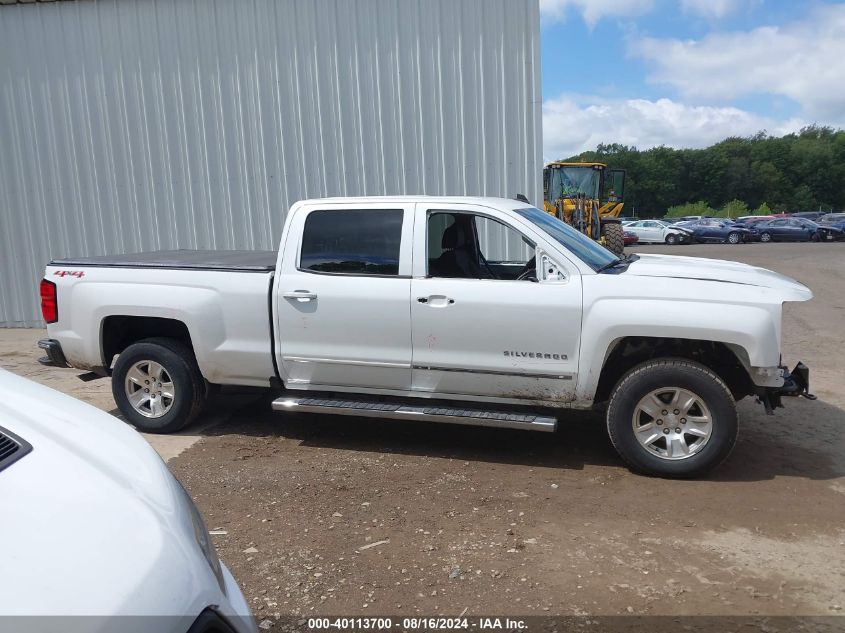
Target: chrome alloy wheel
150, 389
672, 423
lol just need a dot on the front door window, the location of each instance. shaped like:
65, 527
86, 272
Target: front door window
469, 246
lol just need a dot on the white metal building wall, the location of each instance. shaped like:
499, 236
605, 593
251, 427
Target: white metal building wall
129, 125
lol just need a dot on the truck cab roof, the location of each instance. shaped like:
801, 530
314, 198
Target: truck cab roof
499, 203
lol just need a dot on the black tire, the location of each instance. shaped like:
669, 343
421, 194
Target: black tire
765, 237
614, 240
178, 361
816, 237
734, 238
671, 373
671, 239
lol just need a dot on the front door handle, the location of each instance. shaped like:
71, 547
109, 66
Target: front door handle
436, 301
300, 295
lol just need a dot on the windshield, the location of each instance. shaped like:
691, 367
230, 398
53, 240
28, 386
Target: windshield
591, 253
570, 181
833, 218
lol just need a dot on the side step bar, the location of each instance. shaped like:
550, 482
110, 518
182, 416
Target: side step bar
449, 415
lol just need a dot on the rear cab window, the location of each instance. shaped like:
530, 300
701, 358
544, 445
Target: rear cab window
352, 242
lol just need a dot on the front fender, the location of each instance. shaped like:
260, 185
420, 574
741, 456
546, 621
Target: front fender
752, 330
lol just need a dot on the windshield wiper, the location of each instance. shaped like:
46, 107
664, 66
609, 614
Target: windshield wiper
609, 265
625, 261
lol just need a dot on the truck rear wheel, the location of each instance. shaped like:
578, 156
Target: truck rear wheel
672, 418
157, 385
614, 241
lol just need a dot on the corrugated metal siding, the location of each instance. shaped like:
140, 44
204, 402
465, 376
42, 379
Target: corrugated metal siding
131, 125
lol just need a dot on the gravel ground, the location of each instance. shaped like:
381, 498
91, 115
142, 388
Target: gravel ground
332, 515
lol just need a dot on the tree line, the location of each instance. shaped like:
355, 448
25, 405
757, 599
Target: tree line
738, 176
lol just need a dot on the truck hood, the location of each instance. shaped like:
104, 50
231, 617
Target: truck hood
718, 270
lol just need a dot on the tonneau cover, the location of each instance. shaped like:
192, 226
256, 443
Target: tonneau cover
236, 261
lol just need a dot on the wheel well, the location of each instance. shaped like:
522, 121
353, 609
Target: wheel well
119, 332
633, 350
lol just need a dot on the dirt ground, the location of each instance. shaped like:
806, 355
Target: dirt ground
343, 516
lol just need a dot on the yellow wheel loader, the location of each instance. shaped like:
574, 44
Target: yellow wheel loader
589, 197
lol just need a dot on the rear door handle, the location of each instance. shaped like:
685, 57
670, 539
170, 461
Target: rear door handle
300, 295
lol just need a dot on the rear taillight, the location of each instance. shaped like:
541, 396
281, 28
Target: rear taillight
49, 305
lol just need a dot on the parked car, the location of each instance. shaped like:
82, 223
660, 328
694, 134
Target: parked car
689, 218
95, 525
751, 220
808, 215
656, 232
393, 308
797, 230
713, 230
833, 219
629, 238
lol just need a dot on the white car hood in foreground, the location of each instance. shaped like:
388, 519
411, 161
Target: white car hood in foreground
93, 523
720, 270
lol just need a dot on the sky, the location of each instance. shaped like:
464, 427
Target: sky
687, 73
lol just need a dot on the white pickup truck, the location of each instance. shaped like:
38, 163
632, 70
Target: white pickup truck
479, 311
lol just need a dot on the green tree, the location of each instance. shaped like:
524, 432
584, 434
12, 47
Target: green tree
794, 172
733, 209
690, 208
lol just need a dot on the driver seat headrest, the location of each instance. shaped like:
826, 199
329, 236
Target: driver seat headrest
453, 237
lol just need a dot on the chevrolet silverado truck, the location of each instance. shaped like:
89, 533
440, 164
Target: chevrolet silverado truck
480, 311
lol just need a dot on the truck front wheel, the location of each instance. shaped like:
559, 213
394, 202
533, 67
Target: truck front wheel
672, 418
157, 385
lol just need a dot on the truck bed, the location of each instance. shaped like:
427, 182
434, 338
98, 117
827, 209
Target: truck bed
230, 261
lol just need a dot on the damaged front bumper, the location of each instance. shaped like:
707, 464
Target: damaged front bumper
795, 383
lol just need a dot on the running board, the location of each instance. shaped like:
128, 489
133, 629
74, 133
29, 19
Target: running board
397, 411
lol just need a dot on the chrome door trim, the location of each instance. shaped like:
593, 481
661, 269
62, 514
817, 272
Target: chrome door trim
340, 361
491, 372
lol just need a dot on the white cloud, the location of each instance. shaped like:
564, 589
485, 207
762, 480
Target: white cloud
712, 8
592, 10
804, 61
573, 124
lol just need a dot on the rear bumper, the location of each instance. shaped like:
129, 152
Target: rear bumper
795, 383
55, 356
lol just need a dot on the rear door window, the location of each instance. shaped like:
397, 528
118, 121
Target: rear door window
352, 242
